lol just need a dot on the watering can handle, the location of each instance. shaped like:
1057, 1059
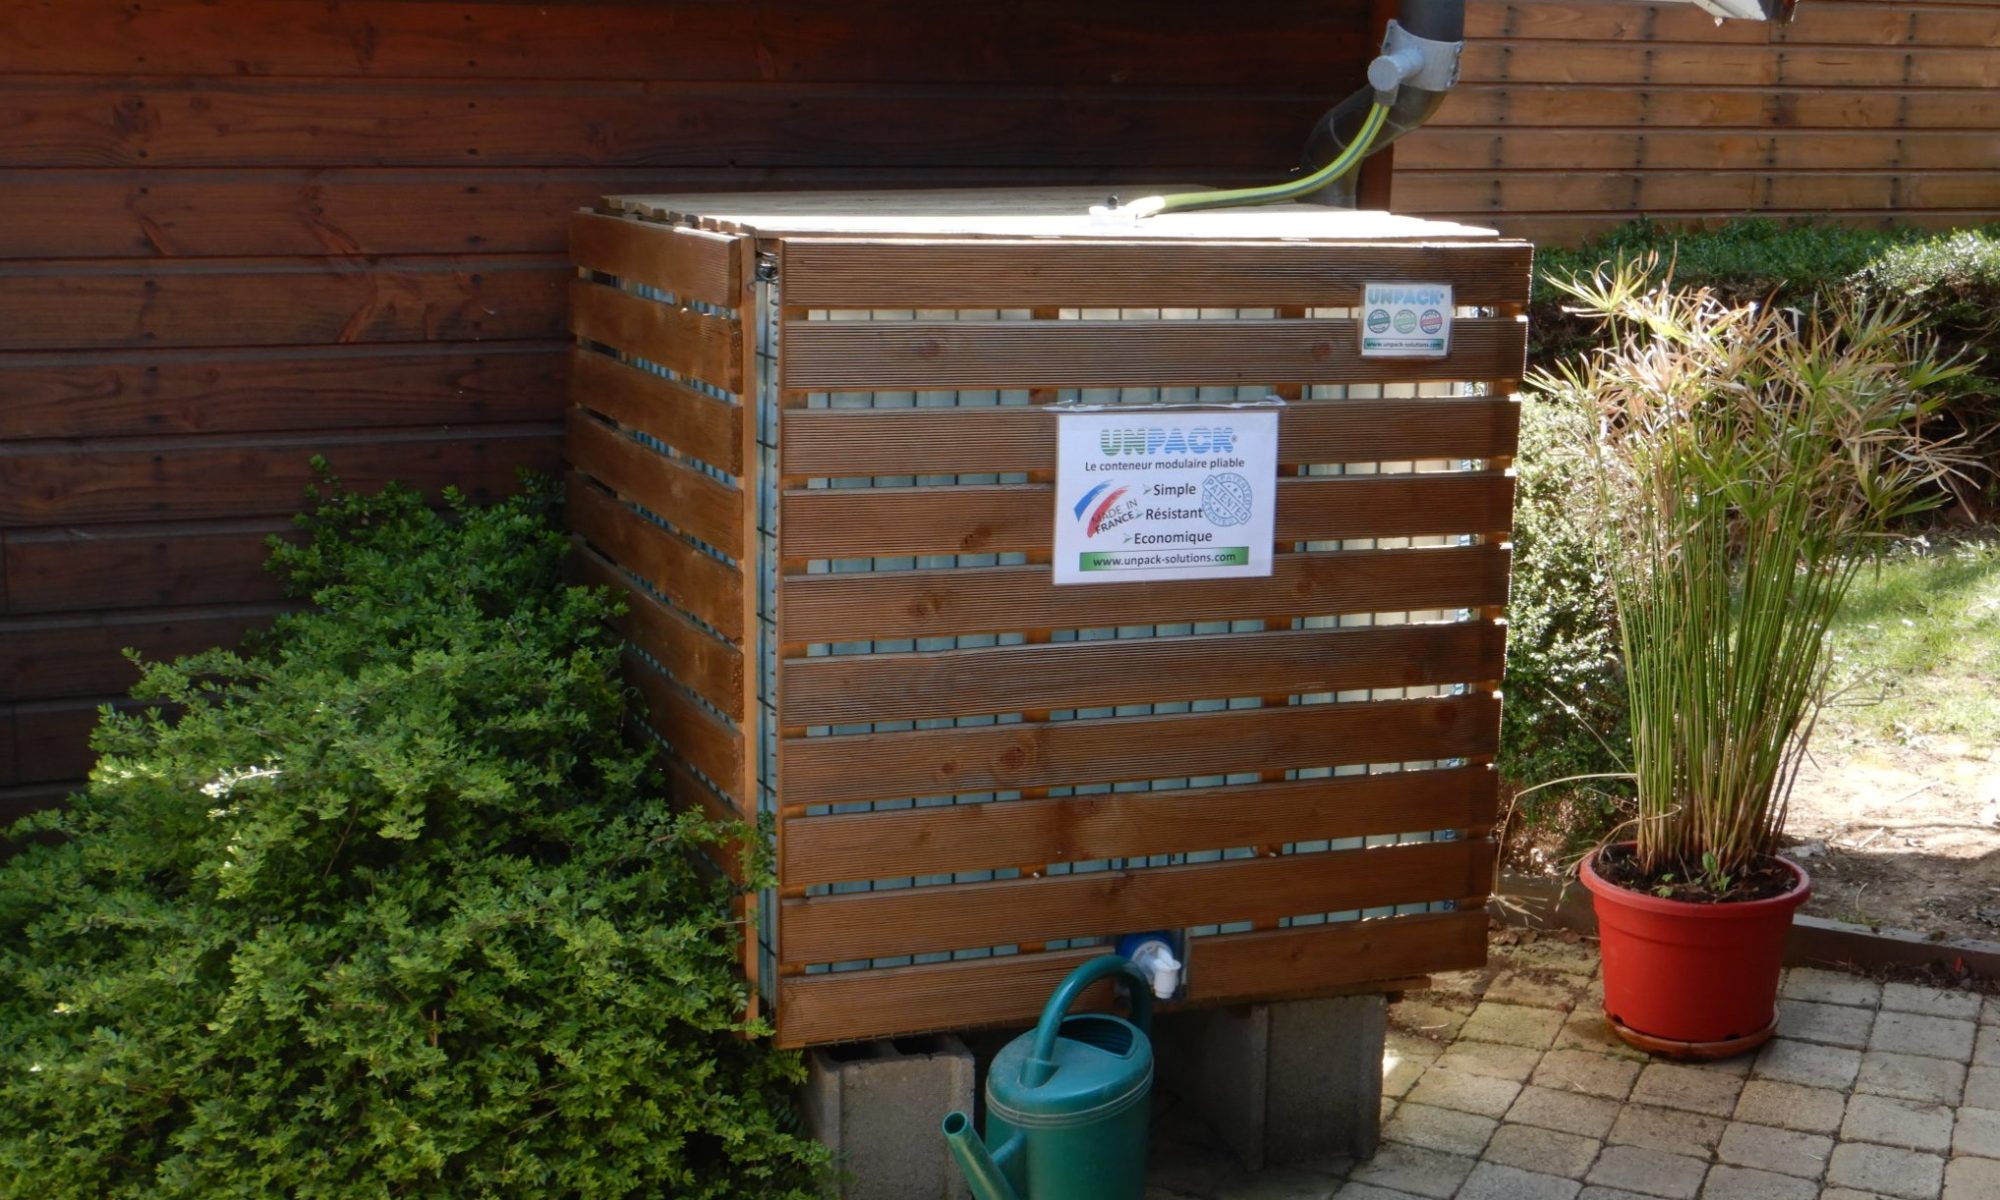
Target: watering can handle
1041, 1061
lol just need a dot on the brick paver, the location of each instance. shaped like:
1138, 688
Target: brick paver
1510, 1085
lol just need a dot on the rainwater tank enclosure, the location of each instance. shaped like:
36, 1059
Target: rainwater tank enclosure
814, 440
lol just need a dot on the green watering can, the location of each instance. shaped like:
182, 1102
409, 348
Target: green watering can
1066, 1105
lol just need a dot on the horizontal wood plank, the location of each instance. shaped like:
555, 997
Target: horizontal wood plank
699, 426
431, 209
1687, 149
1820, 23
824, 929
1569, 229
127, 393
855, 273
46, 658
823, 442
943, 762
1124, 42
691, 264
133, 479
1722, 105
47, 741
238, 122
138, 566
1011, 990
1625, 192
1670, 64
697, 659
68, 305
1071, 829
836, 356
984, 519
840, 689
699, 584
885, 605
697, 504
696, 736
690, 344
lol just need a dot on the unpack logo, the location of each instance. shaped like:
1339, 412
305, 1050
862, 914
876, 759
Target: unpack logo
1108, 513
1166, 439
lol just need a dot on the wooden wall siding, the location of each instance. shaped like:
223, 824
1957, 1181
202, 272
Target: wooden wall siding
895, 640
1575, 115
236, 233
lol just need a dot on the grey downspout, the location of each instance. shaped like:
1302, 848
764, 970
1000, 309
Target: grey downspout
1426, 35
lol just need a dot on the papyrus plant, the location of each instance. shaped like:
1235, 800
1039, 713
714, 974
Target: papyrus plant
1747, 460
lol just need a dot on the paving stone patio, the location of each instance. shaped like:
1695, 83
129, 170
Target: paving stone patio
1507, 1084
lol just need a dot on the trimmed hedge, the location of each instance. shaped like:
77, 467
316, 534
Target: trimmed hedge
386, 906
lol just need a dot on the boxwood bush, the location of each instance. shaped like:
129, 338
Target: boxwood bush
384, 906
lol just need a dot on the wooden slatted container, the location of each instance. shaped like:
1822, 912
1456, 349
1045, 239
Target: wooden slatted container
812, 441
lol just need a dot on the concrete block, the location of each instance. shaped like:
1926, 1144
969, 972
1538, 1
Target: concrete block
1291, 1082
877, 1106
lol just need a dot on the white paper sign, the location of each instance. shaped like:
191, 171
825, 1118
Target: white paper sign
1405, 320
1165, 493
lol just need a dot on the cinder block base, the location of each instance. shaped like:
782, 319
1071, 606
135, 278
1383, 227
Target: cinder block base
1281, 1083
877, 1106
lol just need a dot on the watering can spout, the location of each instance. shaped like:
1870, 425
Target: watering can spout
981, 1168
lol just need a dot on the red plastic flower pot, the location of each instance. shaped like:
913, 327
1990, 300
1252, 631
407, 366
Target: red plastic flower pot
1692, 980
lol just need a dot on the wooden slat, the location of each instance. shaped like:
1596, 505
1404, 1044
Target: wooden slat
982, 519
933, 274
963, 916
897, 355
691, 264
116, 212
697, 425
940, 762
699, 584
688, 791
236, 121
96, 567
1627, 192
69, 305
47, 741
130, 479
701, 662
905, 604
1721, 106
860, 442
698, 737
690, 344
1669, 64
697, 504
1310, 960
980, 837
1126, 42
18, 802
45, 658
840, 689
1569, 229
154, 392
1686, 149
1821, 23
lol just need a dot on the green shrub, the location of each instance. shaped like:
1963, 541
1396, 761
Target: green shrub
384, 907
1565, 711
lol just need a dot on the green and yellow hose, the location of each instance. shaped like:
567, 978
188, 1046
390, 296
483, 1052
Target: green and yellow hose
1342, 163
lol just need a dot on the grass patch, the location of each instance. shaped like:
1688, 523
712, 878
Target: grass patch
1917, 644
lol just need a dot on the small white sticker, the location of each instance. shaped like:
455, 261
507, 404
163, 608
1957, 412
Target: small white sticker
1405, 320
1147, 494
